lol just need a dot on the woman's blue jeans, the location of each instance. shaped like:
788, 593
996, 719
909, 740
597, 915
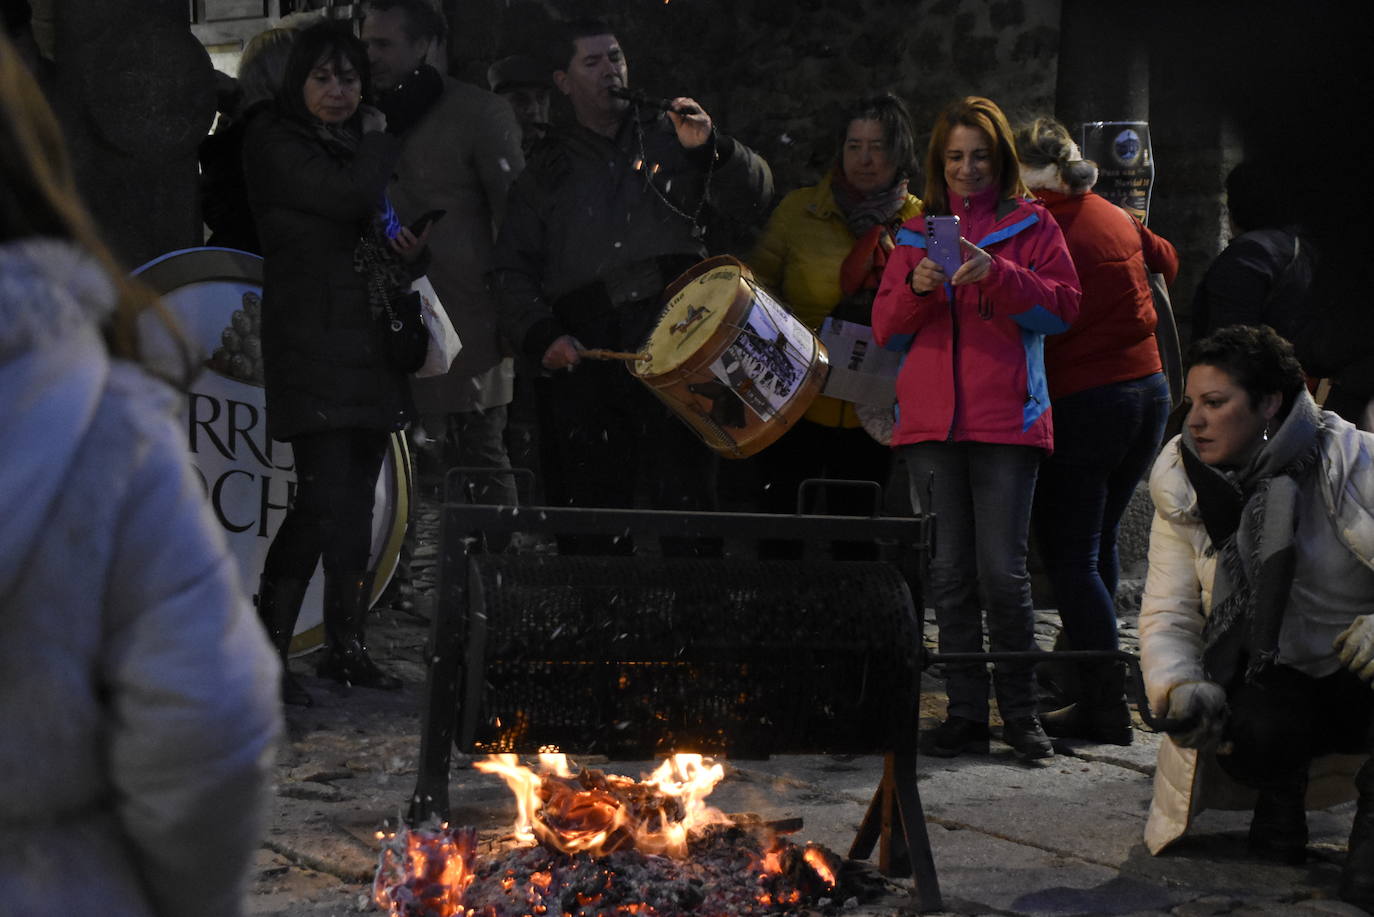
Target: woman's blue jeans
981, 495
1105, 440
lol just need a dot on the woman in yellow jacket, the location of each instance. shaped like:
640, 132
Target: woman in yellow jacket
823, 253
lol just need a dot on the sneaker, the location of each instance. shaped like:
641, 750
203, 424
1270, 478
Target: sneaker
1027, 738
955, 736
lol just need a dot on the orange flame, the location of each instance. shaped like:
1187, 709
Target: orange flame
429, 864
597, 813
816, 861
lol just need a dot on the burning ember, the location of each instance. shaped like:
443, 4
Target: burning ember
595, 845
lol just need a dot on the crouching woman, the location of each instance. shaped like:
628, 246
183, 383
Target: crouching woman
1256, 628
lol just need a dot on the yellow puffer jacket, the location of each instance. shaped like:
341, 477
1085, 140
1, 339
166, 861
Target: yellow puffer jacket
798, 257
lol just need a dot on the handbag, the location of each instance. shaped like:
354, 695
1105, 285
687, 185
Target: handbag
1166, 338
443, 345
1166, 328
403, 334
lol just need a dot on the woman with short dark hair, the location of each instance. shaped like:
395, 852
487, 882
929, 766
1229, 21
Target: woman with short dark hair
335, 262
1255, 627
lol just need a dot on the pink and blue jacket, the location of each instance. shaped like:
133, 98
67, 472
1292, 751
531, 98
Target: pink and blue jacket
974, 369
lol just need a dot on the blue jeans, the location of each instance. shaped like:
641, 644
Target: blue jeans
981, 497
1105, 440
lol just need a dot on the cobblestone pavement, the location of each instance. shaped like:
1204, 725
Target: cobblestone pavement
1008, 838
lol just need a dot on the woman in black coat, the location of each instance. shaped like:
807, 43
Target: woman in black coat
317, 169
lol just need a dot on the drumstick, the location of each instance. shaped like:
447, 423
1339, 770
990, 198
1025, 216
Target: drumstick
596, 353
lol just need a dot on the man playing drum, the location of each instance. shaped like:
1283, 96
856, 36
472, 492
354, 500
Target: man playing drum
584, 255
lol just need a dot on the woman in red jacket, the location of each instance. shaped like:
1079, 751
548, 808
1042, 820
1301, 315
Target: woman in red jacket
974, 409
1110, 402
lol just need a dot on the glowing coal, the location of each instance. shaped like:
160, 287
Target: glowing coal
591, 844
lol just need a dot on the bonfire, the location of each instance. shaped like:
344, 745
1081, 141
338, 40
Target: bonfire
592, 844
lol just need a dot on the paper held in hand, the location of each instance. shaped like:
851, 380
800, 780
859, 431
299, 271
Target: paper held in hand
860, 370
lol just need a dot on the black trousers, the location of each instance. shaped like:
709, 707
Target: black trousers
1284, 718
812, 450
331, 509
614, 443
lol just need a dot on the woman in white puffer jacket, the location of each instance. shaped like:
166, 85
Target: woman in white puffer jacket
1256, 629
138, 693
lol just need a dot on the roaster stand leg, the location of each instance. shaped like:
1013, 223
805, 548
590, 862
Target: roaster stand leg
905, 851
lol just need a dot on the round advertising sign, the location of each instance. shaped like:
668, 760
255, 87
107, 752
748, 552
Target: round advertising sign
214, 294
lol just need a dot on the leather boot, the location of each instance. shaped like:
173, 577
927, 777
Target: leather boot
346, 598
1059, 683
1101, 714
1278, 830
279, 605
1357, 879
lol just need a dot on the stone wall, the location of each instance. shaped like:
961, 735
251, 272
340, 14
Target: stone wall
773, 73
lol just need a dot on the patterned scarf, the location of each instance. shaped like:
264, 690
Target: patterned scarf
384, 273
864, 211
1251, 516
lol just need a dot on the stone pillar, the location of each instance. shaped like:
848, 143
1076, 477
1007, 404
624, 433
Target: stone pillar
135, 93
1104, 64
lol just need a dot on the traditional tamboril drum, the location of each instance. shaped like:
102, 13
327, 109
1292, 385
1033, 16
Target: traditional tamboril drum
730, 360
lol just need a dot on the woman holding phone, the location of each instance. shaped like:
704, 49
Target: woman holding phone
973, 405
317, 169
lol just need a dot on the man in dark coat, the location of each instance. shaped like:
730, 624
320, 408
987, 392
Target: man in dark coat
460, 151
585, 254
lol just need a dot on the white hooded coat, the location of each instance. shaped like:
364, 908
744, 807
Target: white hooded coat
138, 692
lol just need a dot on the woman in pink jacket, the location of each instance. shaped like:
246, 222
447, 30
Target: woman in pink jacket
974, 409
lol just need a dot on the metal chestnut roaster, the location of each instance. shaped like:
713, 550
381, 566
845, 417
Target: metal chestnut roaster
636, 656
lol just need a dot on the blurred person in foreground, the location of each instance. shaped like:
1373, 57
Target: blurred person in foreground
974, 410
1110, 401
823, 251
1256, 631
336, 263
137, 693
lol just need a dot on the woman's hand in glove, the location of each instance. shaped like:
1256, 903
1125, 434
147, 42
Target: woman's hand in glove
1200, 709
1355, 647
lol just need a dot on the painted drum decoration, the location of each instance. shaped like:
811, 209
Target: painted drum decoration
214, 295
730, 360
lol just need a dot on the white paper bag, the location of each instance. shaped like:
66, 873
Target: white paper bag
860, 371
443, 339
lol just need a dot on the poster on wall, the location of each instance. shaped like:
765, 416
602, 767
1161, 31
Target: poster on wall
1125, 163
215, 297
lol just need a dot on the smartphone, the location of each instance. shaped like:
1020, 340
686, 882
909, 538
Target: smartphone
942, 243
431, 216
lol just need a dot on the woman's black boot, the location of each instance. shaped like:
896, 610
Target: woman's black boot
346, 598
279, 605
1357, 880
1278, 831
1100, 714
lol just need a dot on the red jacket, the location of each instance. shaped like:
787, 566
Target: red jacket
1113, 339
974, 370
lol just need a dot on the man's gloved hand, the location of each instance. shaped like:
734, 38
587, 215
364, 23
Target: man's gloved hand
1200, 706
1355, 647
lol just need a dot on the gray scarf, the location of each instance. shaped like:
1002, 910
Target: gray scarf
1259, 506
